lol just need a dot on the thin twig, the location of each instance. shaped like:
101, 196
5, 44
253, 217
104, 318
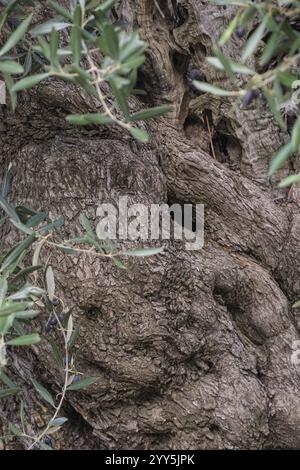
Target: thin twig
91, 251
97, 80
64, 389
159, 9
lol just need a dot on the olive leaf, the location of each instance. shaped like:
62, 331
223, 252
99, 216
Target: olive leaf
43, 392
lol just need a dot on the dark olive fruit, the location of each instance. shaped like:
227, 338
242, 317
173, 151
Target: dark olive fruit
48, 327
55, 301
194, 74
249, 97
52, 321
13, 23
240, 32
49, 441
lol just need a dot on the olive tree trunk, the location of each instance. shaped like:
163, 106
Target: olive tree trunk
192, 348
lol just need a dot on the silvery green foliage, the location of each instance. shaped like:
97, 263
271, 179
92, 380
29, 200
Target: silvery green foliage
27, 290
272, 31
97, 52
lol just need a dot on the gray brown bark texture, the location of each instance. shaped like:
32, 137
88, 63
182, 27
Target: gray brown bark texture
192, 348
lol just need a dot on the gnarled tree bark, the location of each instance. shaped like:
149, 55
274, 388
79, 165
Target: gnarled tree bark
193, 349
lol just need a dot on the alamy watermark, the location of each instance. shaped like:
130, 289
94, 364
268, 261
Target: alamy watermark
152, 222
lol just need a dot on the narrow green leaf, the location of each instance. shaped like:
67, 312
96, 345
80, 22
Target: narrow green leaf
270, 48
74, 337
248, 13
105, 6
140, 135
272, 101
43, 48
10, 83
58, 355
207, 88
60, 10
25, 212
43, 392
70, 328
132, 47
52, 430
22, 227
120, 96
24, 272
289, 180
6, 380
53, 226
296, 135
117, 262
134, 62
280, 158
77, 15
13, 307
76, 44
16, 35
58, 422
103, 46
3, 290
15, 430
50, 283
53, 47
83, 383
85, 222
7, 10
26, 340
29, 82
5, 325
290, 32
26, 315
17, 251
144, 252
45, 28
26, 292
229, 31
80, 71
6, 183
236, 68
286, 78
226, 63
88, 119
10, 211
14, 265
18, 328
11, 66
7, 392
36, 219
112, 41
254, 40
36, 254
150, 113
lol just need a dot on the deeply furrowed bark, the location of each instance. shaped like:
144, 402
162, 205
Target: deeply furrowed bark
193, 349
